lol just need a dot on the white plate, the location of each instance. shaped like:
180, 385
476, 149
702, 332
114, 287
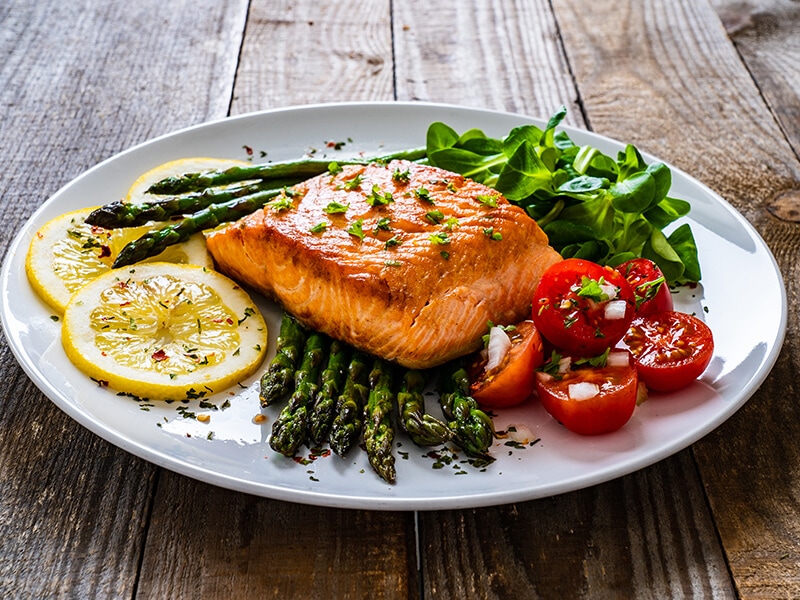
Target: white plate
231, 450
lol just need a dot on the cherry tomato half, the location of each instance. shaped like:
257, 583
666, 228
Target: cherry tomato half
591, 400
511, 381
649, 285
671, 349
581, 307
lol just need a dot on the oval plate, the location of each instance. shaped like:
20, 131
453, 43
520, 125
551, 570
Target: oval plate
231, 449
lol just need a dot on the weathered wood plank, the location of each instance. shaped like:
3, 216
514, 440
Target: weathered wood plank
301, 52
646, 535
229, 545
671, 82
765, 32
79, 82
239, 546
496, 55
437, 61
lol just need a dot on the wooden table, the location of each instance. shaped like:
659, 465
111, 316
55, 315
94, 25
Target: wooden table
711, 86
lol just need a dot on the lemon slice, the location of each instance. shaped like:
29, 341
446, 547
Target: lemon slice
164, 331
175, 168
66, 253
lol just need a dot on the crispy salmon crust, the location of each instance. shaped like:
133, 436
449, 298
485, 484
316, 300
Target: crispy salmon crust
413, 267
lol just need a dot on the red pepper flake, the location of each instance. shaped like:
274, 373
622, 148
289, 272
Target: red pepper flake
105, 251
249, 150
229, 321
159, 355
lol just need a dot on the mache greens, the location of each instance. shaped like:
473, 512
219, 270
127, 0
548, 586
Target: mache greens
590, 205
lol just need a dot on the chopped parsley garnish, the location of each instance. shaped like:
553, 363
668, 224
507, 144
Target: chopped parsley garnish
592, 289
334, 168
489, 200
492, 234
599, 361
377, 197
450, 223
401, 176
423, 194
434, 216
248, 312
383, 224
335, 208
393, 241
281, 203
439, 238
353, 183
357, 229
552, 366
319, 227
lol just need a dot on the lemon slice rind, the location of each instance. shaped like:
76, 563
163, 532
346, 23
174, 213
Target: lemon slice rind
124, 327
176, 168
65, 253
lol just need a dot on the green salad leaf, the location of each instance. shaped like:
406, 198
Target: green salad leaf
591, 205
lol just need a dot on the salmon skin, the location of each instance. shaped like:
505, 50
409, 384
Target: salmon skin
405, 261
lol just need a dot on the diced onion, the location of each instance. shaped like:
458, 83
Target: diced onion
609, 290
618, 359
498, 347
564, 365
583, 390
615, 310
520, 433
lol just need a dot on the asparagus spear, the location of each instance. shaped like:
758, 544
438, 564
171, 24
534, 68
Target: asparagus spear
378, 429
473, 429
276, 382
133, 214
289, 429
348, 422
422, 428
155, 242
331, 383
294, 171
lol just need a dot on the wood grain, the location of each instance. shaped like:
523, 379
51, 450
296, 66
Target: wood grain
673, 83
630, 538
496, 55
306, 52
222, 544
765, 33
79, 82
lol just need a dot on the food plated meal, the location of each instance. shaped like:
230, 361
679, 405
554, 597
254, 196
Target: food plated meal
499, 418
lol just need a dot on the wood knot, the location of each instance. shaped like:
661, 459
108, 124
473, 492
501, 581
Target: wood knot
786, 206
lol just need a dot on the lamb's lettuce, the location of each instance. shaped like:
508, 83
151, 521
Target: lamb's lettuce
589, 204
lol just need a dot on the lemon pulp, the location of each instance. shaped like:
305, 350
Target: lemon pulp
66, 253
164, 331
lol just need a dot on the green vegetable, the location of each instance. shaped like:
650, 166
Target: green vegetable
156, 241
291, 427
422, 428
473, 429
348, 422
331, 385
276, 382
590, 205
378, 427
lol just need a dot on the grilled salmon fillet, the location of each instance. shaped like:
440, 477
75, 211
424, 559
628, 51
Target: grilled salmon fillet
405, 261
